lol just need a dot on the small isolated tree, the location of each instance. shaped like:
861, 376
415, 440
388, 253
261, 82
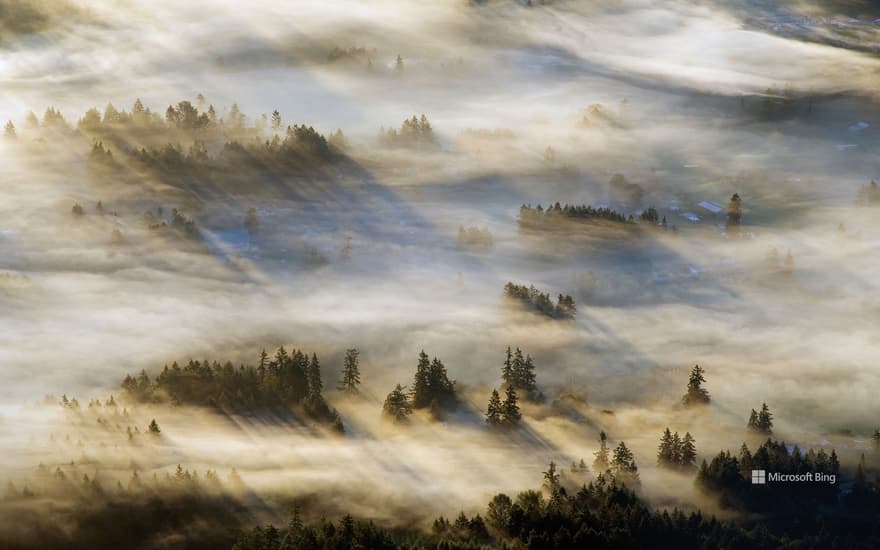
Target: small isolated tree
666, 452
351, 375
153, 428
495, 411
552, 480
397, 406
276, 120
398, 65
696, 393
603, 459
77, 210
9, 131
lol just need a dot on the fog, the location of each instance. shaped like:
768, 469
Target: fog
673, 95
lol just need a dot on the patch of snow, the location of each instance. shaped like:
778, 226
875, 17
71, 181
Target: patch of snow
858, 127
710, 206
691, 216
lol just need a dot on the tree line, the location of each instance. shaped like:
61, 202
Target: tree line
540, 302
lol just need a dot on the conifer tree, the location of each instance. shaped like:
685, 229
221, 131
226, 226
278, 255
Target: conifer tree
512, 416
153, 428
9, 131
734, 211
696, 393
313, 375
495, 410
397, 405
765, 419
351, 376
507, 368
517, 369
276, 120
665, 453
421, 392
623, 465
688, 455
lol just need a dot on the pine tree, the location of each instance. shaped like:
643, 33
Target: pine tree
351, 376
552, 479
495, 410
623, 465
507, 368
398, 65
753, 420
397, 405
313, 376
688, 454
512, 416
665, 453
696, 394
9, 131
676, 449
421, 393
517, 369
765, 420
527, 376
602, 462
276, 120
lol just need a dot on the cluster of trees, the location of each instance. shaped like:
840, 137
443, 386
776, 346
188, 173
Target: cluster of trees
414, 132
503, 413
696, 394
432, 389
619, 464
539, 218
730, 477
474, 238
519, 373
287, 382
677, 452
539, 301
761, 421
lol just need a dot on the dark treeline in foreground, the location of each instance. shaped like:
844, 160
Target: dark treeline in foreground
601, 514
540, 302
287, 382
540, 219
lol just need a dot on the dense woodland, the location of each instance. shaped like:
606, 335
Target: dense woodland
289, 382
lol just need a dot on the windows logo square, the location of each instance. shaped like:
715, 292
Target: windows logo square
759, 477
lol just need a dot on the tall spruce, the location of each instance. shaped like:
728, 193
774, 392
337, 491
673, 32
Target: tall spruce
512, 415
507, 368
696, 393
351, 375
397, 405
495, 410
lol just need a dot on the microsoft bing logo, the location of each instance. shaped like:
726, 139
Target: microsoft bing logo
759, 477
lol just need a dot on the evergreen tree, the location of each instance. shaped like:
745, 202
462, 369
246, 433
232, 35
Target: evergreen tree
421, 392
512, 416
276, 120
696, 393
507, 368
398, 65
313, 375
527, 376
602, 461
753, 420
666, 452
552, 480
765, 420
397, 405
9, 131
676, 449
517, 369
623, 465
688, 455
153, 428
351, 376
495, 410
